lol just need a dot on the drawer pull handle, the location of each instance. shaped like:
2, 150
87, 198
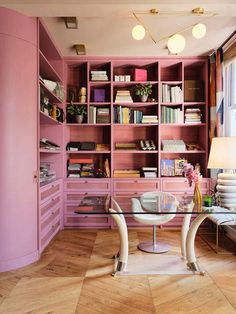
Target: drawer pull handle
53, 213
53, 199
85, 181
86, 193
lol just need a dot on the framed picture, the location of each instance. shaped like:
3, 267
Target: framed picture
179, 166
167, 168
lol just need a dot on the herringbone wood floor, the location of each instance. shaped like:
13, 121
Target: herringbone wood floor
73, 276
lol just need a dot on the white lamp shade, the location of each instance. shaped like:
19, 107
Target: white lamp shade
199, 30
222, 153
138, 32
176, 43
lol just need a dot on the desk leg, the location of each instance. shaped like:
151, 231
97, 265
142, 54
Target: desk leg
185, 228
123, 234
190, 250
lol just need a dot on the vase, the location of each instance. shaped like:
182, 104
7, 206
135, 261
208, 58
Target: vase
197, 197
79, 118
143, 98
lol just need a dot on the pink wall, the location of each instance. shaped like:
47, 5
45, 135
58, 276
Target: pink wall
18, 140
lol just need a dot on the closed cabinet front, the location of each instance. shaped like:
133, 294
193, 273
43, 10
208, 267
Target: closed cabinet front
18, 140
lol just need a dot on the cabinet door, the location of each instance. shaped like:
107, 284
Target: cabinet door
18, 139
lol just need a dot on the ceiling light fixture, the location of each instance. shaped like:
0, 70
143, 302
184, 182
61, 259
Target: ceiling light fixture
176, 42
199, 30
138, 32
71, 22
80, 49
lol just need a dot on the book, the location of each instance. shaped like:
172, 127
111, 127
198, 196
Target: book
167, 168
179, 166
80, 160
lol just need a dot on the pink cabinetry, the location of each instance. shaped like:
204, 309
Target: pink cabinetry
50, 211
18, 140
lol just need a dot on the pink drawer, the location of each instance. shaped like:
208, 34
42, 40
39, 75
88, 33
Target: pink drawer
87, 185
55, 213
73, 196
50, 190
46, 207
136, 185
49, 233
89, 221
181, 184
124, 199
70, 208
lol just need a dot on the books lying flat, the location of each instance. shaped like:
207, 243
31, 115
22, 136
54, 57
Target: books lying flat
80, 160
101, 147
173, 145
125, 146
123, 173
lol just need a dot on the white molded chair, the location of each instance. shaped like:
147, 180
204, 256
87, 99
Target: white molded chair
141, 216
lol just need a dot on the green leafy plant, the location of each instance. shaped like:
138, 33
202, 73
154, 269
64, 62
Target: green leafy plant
143, 89
76, 110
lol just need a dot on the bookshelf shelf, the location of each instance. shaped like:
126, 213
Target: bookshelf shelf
126, 151
46, 151
46, 70
46, 119
88, 152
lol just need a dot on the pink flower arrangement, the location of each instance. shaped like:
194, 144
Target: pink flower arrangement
192, 175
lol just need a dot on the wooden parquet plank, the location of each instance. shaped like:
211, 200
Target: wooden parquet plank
43, 295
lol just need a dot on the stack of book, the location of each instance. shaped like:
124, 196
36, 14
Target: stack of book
149, 172
99, 75
126, 146
80, 167
171, 115
149, 119
73, 169
103, 115
46, 144
46, 175
192, 115
125, 173
123, 96
173, 145
102, 147
171, 94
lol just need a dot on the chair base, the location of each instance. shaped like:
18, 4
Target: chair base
157, 248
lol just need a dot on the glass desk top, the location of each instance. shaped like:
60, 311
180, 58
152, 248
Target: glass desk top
163, 204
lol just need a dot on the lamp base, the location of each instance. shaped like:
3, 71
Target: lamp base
226, 188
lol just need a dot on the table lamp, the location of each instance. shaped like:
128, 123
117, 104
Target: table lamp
223, 156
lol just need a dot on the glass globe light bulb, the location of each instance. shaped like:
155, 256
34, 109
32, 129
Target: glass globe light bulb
199, 30
138, 32
176, 43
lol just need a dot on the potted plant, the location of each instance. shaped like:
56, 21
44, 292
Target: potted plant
143, 91
77, 112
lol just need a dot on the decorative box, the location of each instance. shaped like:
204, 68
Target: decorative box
140, 75
99, 95
193, 90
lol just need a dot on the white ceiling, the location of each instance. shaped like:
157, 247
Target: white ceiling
105, 26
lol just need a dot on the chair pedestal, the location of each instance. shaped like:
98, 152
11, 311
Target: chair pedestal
154, 247
157, 248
